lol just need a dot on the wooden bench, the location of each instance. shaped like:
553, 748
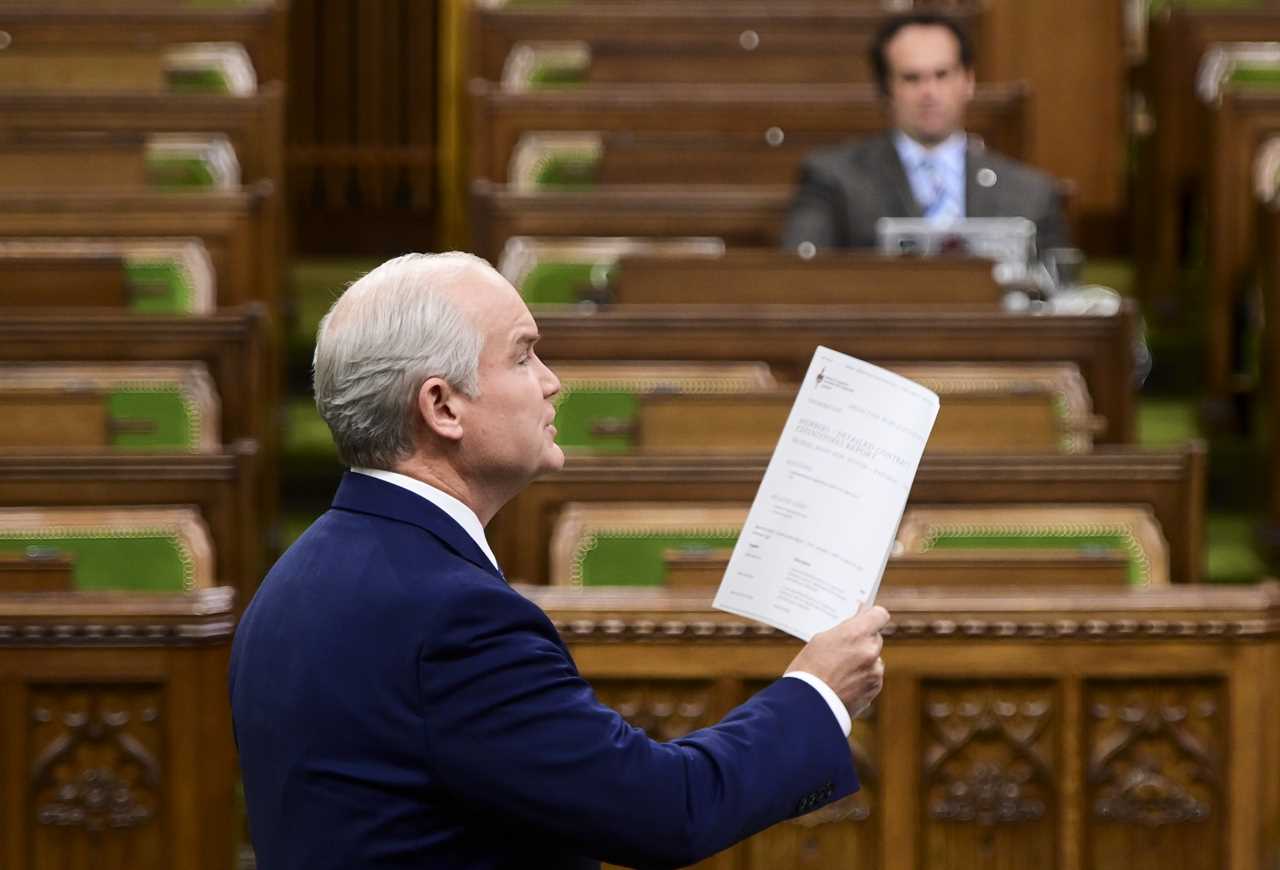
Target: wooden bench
1175, 153
1242, 121
121, 753
700, 272
235, 228
638, 408
771, 277
692, 569
1015, 725
164, 275
43, 66
228, 345
254, 125
59, 162
829, 113
155, 549
1268, 205
108, 406
635, 544
785, 337
1171, 482
221, 486
741, 34
259, 27
737, 216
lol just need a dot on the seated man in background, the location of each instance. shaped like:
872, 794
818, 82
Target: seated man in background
926, 166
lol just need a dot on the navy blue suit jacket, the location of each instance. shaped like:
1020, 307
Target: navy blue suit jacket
398, 705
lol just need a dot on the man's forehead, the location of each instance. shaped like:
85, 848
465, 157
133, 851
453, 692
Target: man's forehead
923, 43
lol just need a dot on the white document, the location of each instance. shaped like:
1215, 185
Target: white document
823, 522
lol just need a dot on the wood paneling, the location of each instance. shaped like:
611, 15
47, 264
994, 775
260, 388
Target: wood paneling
362, 124
115, 749
1108, 729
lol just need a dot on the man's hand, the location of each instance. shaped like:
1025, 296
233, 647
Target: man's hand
847, 658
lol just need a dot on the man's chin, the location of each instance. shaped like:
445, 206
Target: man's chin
553, 461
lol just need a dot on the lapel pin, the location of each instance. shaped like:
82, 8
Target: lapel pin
986, 177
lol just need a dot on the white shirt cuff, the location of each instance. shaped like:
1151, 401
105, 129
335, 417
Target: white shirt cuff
837, 706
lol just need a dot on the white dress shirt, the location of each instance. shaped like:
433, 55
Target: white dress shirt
936, 174
470, 523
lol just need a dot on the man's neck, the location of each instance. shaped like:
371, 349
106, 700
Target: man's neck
930, 146
446, 479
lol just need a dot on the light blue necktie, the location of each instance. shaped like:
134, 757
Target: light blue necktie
933, 179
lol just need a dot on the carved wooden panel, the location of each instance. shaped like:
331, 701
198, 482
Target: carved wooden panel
1154, 778
842, 834
989, 773
96, 795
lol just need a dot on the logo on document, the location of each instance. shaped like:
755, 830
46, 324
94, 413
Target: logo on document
825, 381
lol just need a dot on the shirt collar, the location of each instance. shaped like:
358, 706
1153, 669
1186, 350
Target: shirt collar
949, 152
457, 511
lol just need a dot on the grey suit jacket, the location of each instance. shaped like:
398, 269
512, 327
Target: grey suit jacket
843, 191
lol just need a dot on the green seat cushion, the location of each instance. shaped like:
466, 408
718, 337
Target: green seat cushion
562, 283
188, 173
104, 559
169, 420
1091, 541
557, 76
197, 81
568, 172
577, 410
169, 289
621, 558
1259, 76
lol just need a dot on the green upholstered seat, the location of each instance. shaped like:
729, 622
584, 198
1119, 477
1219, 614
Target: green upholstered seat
543, 65
210, 68
1237, 65
603, 544
136, 549
1132, 529
146, 408
558, 271
192, 162
597, 402
166, 276
555, 161
624, 544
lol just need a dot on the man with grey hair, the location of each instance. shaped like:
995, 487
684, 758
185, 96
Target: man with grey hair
398, 705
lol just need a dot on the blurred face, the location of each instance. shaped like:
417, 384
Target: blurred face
929, 88
509, 436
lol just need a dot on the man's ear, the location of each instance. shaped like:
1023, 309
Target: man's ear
971, 84
439, 407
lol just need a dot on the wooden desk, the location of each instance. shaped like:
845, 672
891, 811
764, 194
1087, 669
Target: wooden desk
118, 751
1105, 728
1171, 482
785, 337
998, 114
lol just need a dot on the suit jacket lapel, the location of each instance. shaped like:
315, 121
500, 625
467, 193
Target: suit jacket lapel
897, 189
979, 197
368, 495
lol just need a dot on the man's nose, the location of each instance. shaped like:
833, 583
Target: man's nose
550, 383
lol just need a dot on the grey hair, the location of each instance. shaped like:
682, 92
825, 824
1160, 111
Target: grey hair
385, 336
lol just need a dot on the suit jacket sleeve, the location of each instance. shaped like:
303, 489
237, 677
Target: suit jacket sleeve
817, 211
513, 730
1051, 227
